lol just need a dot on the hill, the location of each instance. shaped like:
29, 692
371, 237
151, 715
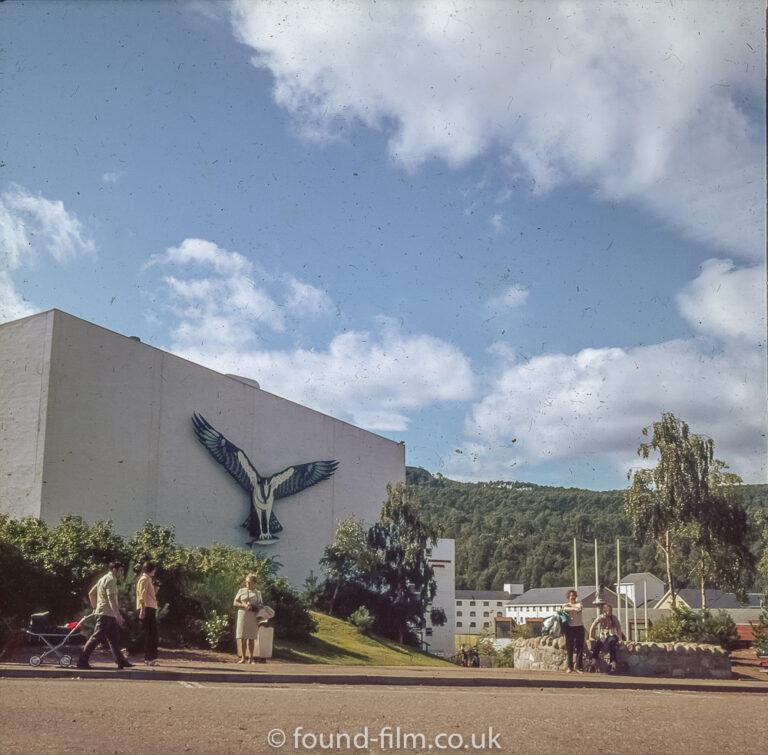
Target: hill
521, 532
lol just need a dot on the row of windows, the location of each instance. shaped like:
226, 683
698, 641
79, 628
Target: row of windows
485, 613
485, 603
473, 624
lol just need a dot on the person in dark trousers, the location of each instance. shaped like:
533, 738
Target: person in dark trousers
146, 605
574, 631
103, 597
608, 631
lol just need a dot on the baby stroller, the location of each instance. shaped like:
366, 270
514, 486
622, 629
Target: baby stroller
55, 637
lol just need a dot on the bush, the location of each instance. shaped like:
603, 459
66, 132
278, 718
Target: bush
52, 568
760, 631
362, 620
216, 630
685, 625
505, 658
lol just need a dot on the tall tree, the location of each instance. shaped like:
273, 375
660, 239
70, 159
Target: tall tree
688, 505
349, 563
406, 583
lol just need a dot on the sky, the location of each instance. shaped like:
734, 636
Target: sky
509, 234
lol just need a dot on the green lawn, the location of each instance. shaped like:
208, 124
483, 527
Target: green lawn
339, 643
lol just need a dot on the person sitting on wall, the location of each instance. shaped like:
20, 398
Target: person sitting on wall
608, 631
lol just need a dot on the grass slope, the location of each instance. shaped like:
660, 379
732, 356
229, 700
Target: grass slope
339, 643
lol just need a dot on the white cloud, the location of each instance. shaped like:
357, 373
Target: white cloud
657, 103
12, 304
588, 408
111, 177
726, 302
370, 378
31, 225
511, 298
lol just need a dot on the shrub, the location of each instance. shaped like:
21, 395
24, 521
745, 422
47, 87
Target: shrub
760, 631
505, 658
685, 625
52, 568
216, 630
362, 620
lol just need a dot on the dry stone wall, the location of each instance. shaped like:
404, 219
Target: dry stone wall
672, 659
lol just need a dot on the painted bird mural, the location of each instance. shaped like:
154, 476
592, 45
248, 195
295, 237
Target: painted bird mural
262, 524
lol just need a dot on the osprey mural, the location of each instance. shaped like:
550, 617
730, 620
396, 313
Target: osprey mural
262, 524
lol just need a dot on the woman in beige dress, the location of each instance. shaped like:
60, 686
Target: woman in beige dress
248, 602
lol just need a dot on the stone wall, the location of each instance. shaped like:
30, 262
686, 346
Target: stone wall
673, 659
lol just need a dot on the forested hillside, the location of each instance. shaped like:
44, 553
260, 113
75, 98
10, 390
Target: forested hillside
520, 532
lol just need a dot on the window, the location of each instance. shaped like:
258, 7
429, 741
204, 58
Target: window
459, 624
458, 602
459, 613
486, 624
485, 602
429, 631
471, 602
498, 603
486, 614
472, 624
472, 613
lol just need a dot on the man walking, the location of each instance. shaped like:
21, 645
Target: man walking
103, 597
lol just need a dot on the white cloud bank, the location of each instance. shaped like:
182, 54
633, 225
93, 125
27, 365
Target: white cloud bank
31, 225
589, 407
225, 305
656, 103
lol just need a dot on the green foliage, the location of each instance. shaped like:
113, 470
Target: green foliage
520, 532
685, 625
505, 658
216, 629
52, 568
689, 505
405, 580
760, 630
361, 620
313, 592
350, 565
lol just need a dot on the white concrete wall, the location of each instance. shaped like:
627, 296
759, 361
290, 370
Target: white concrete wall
24, 348
120, 445
443, 561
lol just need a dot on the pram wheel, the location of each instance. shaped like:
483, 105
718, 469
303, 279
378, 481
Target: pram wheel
35, 660
65, 661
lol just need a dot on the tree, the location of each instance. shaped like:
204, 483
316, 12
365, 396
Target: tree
688, 504
349, 563
405, 580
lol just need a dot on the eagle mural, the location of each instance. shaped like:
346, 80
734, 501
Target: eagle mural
262, 524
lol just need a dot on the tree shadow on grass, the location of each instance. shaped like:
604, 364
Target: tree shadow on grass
317, 650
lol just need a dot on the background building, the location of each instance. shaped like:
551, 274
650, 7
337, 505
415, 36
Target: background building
100, 425
440, 640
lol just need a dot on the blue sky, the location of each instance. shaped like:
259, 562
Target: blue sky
508, 234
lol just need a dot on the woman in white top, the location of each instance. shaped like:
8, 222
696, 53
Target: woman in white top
248, 602
574, 631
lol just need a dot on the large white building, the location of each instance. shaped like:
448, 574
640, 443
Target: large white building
100, 425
